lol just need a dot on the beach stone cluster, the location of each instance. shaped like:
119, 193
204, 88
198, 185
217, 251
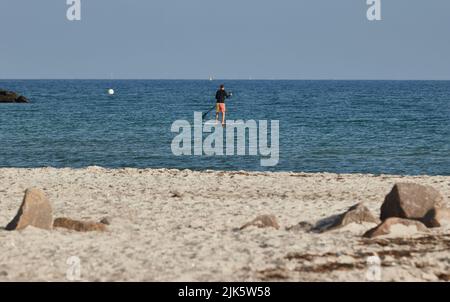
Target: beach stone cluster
407, 208
411, 205
36, 211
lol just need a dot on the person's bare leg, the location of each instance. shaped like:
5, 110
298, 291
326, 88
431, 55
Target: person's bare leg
217, 117
223, 118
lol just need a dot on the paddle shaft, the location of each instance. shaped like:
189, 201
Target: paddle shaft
204, 114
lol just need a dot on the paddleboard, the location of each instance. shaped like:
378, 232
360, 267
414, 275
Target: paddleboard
219, 122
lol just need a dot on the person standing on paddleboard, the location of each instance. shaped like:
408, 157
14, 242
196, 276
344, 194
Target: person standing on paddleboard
221, 96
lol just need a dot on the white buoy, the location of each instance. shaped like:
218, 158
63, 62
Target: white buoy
110, 91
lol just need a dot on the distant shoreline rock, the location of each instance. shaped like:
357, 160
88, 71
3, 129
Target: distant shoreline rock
12, 97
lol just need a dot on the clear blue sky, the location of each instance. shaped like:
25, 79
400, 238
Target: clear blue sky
185, 39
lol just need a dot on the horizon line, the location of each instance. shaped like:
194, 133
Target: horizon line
214, 80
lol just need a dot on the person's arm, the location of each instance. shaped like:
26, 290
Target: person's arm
217, 96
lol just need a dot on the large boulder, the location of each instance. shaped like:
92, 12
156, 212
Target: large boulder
411, 201
12, 97
79, 226
35, 211
396, 227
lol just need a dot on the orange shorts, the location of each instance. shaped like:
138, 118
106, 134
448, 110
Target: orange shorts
220, 107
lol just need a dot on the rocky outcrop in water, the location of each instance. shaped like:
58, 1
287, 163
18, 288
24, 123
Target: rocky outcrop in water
12, 97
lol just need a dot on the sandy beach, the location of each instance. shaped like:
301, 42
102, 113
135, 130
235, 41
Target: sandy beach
172, 225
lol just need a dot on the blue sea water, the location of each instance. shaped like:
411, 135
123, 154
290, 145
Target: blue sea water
392, 127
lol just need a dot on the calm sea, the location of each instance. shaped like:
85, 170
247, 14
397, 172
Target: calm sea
394, 127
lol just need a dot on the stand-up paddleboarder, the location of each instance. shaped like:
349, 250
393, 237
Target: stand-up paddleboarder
221, 96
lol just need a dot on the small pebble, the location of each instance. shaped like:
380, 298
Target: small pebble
106, 221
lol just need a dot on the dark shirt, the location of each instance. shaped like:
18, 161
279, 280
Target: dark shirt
221, 95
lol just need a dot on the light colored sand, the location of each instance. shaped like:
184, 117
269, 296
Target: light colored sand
155, 236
